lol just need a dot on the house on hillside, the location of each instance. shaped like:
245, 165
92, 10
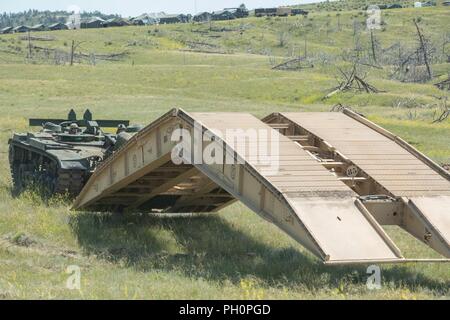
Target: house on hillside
446, 3
38, 27
21, 29
222, 15
6, 30
202, 17
93, 23
58, 26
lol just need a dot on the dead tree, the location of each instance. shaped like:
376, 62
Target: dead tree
74, 46
282, 38
294, 64
415, 65
444, 85
372, 41
37, 38
423, 48
339, 107
410, 67
338, 15
306, 47
444, 108
351, 80
30, 53
445, 42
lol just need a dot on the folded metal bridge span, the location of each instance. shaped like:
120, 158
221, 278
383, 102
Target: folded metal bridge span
339, 179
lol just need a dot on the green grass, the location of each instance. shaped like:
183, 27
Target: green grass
233, 254
344, 5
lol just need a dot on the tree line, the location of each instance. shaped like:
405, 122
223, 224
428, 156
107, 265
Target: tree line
33, 17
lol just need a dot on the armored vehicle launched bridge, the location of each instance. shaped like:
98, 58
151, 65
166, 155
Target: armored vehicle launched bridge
329, 180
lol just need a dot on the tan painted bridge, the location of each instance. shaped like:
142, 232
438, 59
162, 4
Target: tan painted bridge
329, 180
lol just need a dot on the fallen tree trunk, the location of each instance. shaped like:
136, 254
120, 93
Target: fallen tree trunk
351, 81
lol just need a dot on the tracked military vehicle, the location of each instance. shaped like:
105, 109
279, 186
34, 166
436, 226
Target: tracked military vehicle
61, 157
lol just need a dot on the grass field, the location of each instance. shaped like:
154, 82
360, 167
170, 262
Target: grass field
233, 254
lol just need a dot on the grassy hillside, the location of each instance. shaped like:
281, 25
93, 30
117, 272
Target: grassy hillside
344, 5
222, 66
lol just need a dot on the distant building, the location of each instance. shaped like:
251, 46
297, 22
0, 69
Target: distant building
429, 4
58, 26
6, 30
260, 12
269, 12
185, 18
137, 22
38, 27
202, 17
222, 15
116, 22
296, 12
21, 29
144, 19
169, 19
417, 4
446, 3
95, 22
173, 18
240, 12
284, 11
380, 6
394, 6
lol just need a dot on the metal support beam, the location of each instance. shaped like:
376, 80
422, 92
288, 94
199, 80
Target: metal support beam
165, 186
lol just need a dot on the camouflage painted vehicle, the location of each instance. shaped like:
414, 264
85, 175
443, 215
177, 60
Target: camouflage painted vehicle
62, 156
